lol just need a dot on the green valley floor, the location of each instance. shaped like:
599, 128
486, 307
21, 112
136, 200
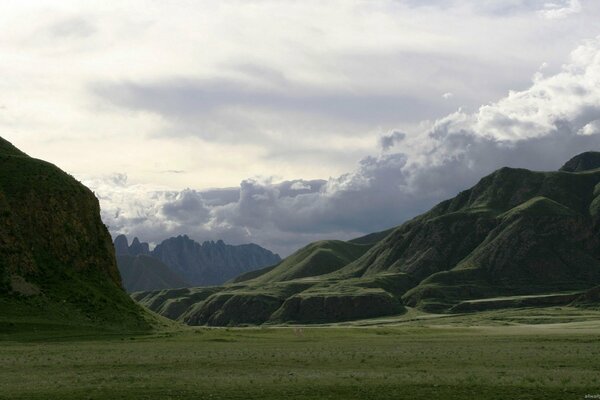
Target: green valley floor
549, 353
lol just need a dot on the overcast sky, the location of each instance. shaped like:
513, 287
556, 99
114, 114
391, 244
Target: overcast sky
307, 120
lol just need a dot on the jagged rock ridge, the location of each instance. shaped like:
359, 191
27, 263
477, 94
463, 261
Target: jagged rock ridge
211, 263
189, 263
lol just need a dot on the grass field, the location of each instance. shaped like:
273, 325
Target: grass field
523, 354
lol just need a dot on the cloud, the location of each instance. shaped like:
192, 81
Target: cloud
567, 100
187, 207
387, 141
561, 9
72, 27
246, 88
188, 100
547, 9
538, 128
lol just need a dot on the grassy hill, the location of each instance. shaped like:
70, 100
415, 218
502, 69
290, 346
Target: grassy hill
515, 233
57, 263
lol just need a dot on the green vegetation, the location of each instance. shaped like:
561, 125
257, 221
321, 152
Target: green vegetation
493, 355
316, 259
57, 265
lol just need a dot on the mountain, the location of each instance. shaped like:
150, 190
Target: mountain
122, 247
516, 238
179, 260
582, 162
57, 262
142, 273
211, 263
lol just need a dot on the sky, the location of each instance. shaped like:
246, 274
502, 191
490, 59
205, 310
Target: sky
285, 122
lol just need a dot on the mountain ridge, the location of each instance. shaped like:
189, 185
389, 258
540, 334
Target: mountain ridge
190, 263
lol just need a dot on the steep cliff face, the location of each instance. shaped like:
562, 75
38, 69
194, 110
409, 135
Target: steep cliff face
56, 255
211, 263
515, 233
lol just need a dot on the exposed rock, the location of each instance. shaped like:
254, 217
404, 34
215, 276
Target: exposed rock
211, 263
138, 248
121, 245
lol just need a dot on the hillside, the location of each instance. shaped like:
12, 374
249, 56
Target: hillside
57, 263
516, 237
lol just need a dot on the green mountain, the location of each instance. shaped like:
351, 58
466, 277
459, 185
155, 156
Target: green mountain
143, 272
57, 262
518, 237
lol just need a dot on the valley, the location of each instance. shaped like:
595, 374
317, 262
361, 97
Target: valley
546, 353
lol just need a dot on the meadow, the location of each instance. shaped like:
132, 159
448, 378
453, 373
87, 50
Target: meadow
551, 353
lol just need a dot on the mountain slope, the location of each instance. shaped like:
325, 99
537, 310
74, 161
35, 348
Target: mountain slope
515, 233
57, 263
317, 258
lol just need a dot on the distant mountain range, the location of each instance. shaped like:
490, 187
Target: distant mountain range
516, 238
181, 262
57, 266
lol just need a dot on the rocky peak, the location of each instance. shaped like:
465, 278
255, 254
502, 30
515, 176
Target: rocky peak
211, 263
138, 247
121, 245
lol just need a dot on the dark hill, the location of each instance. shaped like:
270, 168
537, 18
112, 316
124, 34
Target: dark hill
57, 263
582, 162
515, 233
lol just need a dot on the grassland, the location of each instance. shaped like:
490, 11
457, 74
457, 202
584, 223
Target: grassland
549, 353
